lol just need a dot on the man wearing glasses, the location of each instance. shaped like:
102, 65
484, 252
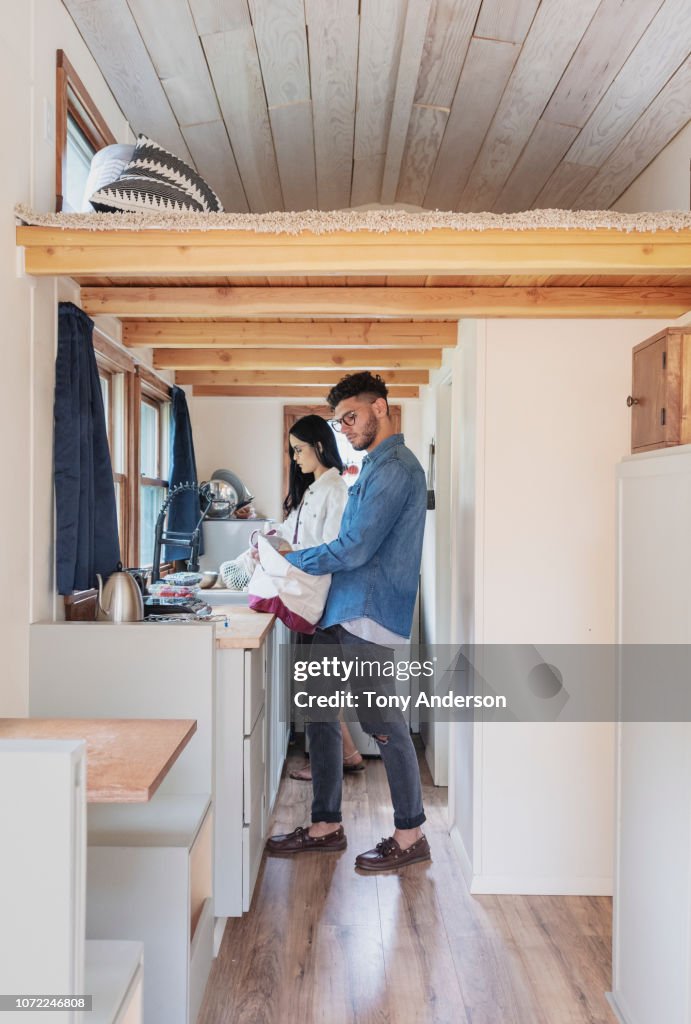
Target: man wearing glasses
375, 565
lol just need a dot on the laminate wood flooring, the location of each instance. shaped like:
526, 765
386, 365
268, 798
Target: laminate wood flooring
324, 945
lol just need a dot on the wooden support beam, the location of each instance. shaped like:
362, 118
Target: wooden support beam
238, 334
284, 391
386, 303
302, 359
319, 378
160, 253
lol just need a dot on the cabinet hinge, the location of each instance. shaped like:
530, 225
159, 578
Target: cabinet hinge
664, 360
663, 417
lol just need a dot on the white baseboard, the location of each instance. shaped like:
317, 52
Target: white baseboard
219, 928
530, 885
525, 885
462, 854
616, 1007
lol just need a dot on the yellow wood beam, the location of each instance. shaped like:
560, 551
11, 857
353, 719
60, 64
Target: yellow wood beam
306, 359
386, 303
284, 391
320, 378
438, 251
382, 334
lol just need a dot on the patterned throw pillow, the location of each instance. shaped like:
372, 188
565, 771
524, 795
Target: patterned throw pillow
107, 165
155, 180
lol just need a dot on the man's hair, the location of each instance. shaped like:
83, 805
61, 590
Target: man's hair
356, 384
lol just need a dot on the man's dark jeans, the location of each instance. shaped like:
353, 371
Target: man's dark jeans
389, 729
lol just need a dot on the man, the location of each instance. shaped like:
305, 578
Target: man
375, 565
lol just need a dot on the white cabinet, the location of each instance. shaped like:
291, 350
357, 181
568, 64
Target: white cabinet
43, 889
113, 973
278, 709
652, 896
42, 858
149, 878
242, 742
239, 698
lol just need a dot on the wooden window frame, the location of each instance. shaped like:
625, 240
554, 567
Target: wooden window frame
111, 360
138, 382
150, 389
71, 97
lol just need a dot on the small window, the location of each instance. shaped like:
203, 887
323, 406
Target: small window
153, 464
79, 155
80, 131
113, 394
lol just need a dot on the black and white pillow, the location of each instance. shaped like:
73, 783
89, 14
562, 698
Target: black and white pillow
156, 180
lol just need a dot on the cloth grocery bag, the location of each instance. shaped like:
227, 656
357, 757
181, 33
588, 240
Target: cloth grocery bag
295, 597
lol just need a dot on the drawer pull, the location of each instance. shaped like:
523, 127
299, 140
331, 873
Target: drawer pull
632, 401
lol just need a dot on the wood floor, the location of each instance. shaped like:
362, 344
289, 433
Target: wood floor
324, 944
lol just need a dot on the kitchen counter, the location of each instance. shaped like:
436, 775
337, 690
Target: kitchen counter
245, 630
126, 759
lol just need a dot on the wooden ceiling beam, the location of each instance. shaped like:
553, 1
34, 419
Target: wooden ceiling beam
306, 359
387, 303
284, 391
160, 253
319, 378
382, 334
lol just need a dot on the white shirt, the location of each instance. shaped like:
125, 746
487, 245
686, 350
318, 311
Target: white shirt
321, 512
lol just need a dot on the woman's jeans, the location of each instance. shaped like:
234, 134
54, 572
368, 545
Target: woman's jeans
388, 727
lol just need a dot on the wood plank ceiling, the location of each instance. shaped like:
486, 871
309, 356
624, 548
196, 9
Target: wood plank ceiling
461, 105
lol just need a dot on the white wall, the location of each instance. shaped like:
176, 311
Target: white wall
665, 184
29, 37
245, 435
537, 494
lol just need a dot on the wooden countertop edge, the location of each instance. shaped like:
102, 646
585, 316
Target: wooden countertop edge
171, 759
232, 639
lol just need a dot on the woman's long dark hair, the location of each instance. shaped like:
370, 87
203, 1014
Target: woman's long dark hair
315, 431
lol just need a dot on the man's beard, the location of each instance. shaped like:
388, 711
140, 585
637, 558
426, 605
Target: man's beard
368, 434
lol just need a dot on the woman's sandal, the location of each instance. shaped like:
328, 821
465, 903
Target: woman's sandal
359, 766
305, 774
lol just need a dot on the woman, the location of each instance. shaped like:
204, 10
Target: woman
313, 507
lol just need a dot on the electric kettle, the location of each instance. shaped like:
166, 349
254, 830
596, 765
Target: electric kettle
119, 599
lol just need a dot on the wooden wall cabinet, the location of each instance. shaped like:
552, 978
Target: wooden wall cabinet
661, 397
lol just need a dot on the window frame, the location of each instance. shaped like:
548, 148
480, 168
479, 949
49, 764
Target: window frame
151, 390
139, 384
112, 361
71, 97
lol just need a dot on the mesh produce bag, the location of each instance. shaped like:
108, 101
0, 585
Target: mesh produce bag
237, 573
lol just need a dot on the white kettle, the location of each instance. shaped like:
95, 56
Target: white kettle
119, 599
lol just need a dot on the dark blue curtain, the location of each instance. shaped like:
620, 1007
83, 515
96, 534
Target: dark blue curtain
86, 516
183, 514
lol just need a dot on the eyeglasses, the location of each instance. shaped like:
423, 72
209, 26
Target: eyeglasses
299, 448
347, 419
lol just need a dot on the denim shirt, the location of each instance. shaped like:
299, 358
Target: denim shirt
375, 560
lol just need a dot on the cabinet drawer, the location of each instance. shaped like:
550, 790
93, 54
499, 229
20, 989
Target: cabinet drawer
201, 956
255, 692
252, 849
254, 758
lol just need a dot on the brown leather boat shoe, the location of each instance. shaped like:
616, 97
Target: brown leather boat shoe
300, 841
388, 856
